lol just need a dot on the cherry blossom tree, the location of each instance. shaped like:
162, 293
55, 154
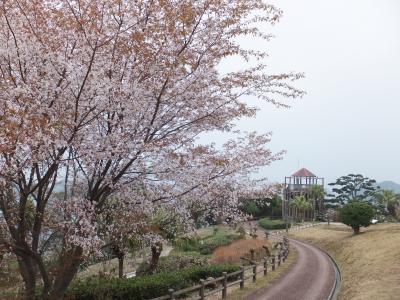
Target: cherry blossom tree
185, 186
99, 96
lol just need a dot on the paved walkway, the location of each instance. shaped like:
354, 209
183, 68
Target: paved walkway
311, 277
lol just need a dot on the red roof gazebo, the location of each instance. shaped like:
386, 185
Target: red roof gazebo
299, 184
303, 173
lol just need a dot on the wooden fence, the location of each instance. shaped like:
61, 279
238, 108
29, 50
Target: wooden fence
220, 285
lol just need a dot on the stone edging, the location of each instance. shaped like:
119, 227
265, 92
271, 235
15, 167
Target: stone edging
338, 279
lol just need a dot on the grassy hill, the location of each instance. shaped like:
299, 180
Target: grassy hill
369, 261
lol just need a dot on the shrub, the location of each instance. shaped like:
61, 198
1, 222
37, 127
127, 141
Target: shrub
276, 211
263, 207
173, 263
252, 209
356, 214
143, 287
208, 244
242, 232
272, 224
187, 244
8, 271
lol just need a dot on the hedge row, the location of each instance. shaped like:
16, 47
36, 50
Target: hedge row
143, 287
173, 263
272, 224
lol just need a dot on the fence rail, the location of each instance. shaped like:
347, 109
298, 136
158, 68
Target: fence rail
221, 284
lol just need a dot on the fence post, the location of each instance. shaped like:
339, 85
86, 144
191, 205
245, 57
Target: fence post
252, 254
285, 240
242, 279
273, 263
225, 283
265, 266
202, 289
279, 258
171, 294
254, 271
267, 252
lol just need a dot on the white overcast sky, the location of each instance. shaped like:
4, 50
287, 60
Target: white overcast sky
349, 120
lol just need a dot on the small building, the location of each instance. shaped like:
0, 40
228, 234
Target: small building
301, 184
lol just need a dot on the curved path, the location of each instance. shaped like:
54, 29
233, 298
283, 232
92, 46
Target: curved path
311, 277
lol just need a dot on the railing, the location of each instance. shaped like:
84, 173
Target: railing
295, 228
221, 284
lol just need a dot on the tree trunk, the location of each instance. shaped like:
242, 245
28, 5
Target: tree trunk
121, 266
120, 254
155, 256
27, 271
314, 209
69, 264
356, 229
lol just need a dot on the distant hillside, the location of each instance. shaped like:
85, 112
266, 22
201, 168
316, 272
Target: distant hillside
390, 185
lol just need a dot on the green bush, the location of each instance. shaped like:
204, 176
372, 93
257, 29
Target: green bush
143, 287
242, 232
276, 211
263, 207
253, 209
272, 224
356, 214
187, 244
173, 263
208, 244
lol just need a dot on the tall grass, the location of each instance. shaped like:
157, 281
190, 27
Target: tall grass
232, 253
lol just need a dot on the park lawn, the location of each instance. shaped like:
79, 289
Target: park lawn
369, 262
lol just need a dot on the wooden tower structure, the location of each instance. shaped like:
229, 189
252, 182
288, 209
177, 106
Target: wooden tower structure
300, 184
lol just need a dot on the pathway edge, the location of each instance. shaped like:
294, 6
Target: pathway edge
333, 295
